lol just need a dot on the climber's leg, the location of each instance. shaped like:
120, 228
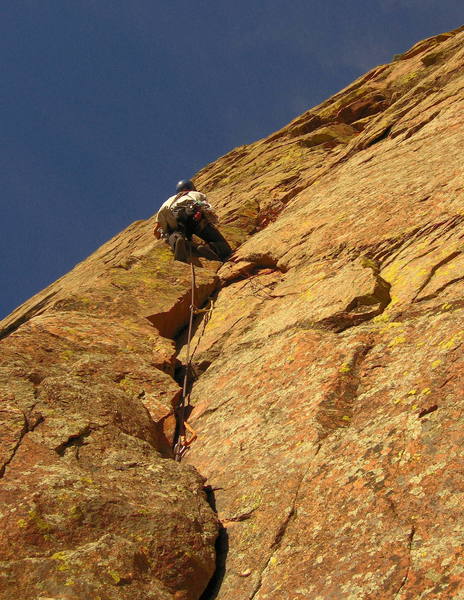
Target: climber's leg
216, 240
179, 246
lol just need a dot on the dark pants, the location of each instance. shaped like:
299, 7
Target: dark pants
179, 242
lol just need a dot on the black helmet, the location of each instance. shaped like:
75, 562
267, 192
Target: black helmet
185, 185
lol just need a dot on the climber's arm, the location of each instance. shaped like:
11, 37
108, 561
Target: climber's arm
158, 231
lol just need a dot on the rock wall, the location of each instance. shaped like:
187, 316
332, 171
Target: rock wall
329, 417
92, 504
328, 390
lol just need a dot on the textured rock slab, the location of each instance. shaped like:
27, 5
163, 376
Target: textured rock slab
92, 506
96, 517
329, 400
337, 462
329, 393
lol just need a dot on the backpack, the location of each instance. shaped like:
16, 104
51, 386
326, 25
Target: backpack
187, 214
183, 213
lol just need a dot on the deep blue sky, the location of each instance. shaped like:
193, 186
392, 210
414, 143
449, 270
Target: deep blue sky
105, 104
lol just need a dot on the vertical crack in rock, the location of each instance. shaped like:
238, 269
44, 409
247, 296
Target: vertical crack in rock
336, 410
24, 431
173, 324
200, 321
222, 550
277, 543
408, 567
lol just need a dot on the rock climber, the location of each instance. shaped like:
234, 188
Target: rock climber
185, 214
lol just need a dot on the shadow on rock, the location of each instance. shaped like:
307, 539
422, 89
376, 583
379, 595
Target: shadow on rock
204, 251
222, 549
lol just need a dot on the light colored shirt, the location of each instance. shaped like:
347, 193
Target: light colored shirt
194, 196
165, 217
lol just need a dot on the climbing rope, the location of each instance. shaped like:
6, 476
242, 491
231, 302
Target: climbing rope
183, 442
185, 434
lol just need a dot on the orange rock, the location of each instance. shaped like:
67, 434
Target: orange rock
328, 389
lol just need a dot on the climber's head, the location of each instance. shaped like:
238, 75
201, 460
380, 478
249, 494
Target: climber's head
185, 185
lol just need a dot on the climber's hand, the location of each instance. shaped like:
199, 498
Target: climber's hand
158, 232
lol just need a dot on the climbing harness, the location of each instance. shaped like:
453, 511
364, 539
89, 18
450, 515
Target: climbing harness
184, 442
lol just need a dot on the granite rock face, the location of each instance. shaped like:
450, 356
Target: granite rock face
328, 391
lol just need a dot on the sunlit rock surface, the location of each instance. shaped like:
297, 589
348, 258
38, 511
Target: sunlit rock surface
91, 503
330, 415
328, 392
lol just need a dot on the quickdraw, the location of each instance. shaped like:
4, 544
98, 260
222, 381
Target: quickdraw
183, 442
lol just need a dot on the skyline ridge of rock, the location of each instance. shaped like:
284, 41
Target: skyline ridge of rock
328, 388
